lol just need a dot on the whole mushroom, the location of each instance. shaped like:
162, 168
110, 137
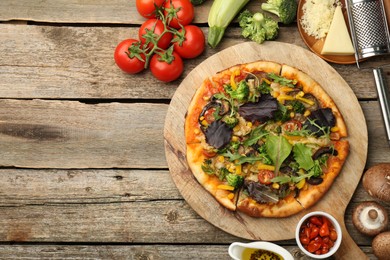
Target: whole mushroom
381, 246
370, 218
376, 181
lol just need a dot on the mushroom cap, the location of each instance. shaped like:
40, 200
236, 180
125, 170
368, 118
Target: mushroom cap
381, 245
370, 218
376, 181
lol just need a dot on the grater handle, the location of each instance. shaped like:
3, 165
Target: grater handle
383, 95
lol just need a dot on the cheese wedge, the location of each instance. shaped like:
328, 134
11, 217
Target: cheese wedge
338, 41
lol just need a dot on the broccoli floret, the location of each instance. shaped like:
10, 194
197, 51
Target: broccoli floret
231, 121
235, 180
286, 10
258, 27
241, 93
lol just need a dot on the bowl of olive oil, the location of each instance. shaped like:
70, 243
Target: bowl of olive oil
258, 250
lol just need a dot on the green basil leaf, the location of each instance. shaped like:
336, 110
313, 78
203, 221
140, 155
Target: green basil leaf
278, 149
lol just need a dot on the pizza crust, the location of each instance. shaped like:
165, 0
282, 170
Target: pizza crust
286, 207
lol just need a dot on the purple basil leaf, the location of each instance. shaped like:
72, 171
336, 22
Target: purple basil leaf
262, 110
218, 134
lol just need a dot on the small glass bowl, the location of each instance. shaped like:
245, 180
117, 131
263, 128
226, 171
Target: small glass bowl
335, 224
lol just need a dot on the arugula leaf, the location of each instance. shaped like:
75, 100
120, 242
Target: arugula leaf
302, 132
255, 135
282, 81
240, 159
302, 154
316, 170
221, 96
278, 149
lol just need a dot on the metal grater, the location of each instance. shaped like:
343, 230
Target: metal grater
369, 31
370, 37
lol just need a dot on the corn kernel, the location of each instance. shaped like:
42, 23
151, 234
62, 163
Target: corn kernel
275, 185
230, 196
292, 114
238, 169
236, 128
225, 187
334, 129
204, 122
201, 118
307, 113
275, 94
221, 158
300, 94
235, 138
249, 124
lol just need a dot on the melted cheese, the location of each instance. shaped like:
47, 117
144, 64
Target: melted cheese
338, 41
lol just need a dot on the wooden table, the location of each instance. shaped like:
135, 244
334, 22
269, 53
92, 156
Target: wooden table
83, 169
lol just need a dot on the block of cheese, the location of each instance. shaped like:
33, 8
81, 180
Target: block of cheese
338, 41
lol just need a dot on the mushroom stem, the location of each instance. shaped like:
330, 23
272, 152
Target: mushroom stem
373, 214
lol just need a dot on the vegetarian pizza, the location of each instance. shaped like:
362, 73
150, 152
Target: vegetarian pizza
265, 139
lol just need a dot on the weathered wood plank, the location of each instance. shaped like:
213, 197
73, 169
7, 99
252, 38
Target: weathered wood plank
77, 62
130, 252
90, 11
110, 206
70, 134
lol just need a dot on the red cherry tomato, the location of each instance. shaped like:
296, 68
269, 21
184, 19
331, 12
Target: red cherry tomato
314, 232
316, 221
124, 61
313, 246
147, 8
165, 71
192, 45
333, 235
304, 240
265, 176
184, 12
209, 153
157, 27
324, 230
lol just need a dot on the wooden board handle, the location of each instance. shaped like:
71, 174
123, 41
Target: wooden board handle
348, 248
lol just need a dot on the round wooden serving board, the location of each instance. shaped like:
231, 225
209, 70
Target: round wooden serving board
270, 229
